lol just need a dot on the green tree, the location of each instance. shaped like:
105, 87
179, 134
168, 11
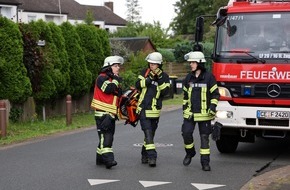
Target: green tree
61, 67
158, 35
80, 76
155, 33
132, 69
131, 30
92, 48
133, 11
181, 49
89, 18
188, 10
47, 75
14, 83
105, 42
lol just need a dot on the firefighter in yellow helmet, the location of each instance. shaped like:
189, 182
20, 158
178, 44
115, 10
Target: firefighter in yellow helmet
200, 99
153, 84
105, 102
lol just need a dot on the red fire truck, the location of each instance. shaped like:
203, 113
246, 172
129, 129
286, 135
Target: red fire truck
251, 62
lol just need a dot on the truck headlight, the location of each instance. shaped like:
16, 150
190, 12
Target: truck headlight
224, 114
225, 93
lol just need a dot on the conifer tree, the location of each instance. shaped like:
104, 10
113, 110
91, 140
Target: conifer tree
14, 83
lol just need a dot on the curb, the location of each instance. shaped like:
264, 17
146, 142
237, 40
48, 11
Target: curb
270, 180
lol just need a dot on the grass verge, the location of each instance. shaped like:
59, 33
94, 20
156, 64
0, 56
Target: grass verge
22, 131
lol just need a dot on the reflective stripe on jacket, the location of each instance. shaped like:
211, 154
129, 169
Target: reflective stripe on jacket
151, 93
199, 94
105, 98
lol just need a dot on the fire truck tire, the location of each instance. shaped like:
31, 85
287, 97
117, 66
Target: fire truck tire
227, 143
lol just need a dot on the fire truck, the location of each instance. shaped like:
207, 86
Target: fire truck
251, 63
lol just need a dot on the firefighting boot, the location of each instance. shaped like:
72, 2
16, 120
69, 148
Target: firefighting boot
144, 160
206, 167
189, 155
152, 162
205, 162
99, 159
111, 164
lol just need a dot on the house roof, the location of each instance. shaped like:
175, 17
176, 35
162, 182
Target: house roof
9, 2
135, 44
73, 9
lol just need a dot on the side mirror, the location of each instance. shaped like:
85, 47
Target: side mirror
199, 29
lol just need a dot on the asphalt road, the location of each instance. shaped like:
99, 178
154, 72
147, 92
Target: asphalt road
68, 162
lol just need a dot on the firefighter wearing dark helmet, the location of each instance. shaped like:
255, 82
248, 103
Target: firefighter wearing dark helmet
200, 99
153, 84
105, 101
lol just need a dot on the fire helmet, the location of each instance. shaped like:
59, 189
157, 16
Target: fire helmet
154, 57
111, 60
196, 56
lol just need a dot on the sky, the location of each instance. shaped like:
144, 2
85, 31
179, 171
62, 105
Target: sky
151, 10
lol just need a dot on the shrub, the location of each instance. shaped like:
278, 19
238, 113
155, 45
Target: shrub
42, 59
80, 76
14, 83
167, 55
62, 66
92, 48
132, 69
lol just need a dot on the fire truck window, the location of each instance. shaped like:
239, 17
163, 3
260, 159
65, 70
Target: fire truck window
252, 37
273, 35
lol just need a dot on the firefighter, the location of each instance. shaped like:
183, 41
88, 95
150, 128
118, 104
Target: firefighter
105, 101
153, 85
200, 99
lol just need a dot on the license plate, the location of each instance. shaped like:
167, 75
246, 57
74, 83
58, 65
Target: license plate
272, 114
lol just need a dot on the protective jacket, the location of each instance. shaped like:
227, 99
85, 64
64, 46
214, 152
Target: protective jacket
152, 92
197, 98
106, 94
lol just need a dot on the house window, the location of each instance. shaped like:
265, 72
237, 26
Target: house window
31, 18
49, 18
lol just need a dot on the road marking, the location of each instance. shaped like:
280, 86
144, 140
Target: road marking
201, 186
156, 144
153, 183
100, 181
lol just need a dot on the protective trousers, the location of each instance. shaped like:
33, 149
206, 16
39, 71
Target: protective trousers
204, 132
106, 130
149, 126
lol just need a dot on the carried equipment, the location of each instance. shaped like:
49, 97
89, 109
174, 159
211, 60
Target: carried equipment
216, 131
128, 106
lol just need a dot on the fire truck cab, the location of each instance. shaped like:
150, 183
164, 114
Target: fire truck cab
251, 63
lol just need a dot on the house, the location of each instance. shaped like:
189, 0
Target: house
136, 44
8, 8
59, 11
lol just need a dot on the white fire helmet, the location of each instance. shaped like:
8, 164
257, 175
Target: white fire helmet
154, 57
111, 60
196, 56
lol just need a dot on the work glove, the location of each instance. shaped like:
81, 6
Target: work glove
216, 131
152, 75
115, 77
158, 72
118, 92
212, 110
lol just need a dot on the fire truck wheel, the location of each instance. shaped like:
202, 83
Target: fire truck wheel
227, 143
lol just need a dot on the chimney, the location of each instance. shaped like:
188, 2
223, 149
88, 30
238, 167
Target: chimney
110, 5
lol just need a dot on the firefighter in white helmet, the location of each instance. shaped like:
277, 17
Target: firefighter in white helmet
153, 85
200, 99
105, 102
